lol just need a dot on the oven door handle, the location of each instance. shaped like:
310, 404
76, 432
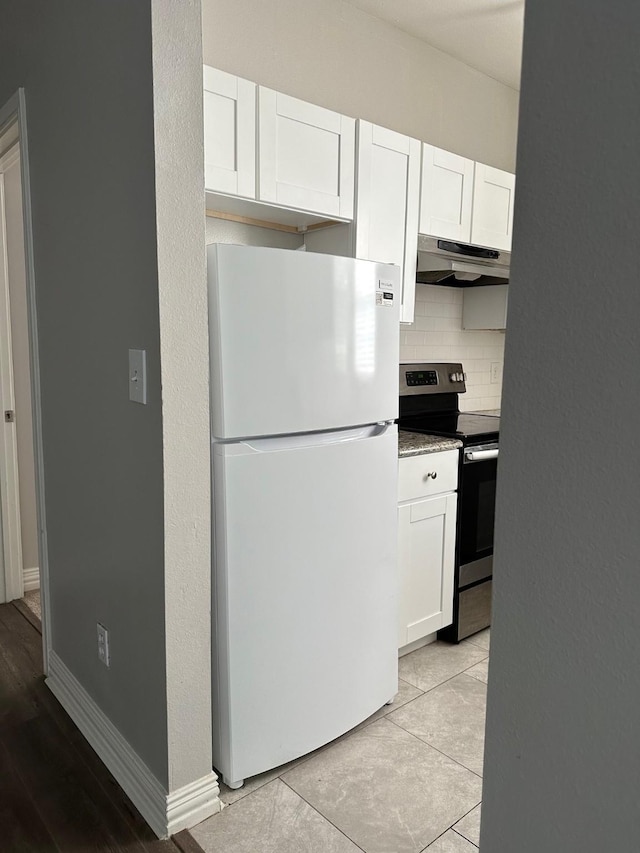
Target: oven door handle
480, 455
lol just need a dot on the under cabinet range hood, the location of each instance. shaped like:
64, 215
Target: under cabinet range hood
447, 262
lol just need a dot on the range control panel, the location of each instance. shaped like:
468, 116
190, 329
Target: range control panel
421, 377
438, 378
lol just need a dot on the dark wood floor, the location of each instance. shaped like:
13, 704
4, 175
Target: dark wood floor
55, 793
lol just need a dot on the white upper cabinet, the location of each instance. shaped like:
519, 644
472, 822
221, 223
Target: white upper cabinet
493, 195
306, 156
465, 201
229, 134
447, 194
387, 204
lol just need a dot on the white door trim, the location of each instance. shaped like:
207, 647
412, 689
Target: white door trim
15, 109
12, 585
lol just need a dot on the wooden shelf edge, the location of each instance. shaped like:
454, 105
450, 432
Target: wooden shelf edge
284, 219
248, 220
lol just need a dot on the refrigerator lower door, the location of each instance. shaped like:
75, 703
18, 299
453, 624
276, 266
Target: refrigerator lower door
300, 341
304, 593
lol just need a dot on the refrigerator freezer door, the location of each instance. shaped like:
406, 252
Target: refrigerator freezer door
304, 608
300, 341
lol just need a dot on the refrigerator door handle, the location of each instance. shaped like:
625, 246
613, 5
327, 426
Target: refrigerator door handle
302, 440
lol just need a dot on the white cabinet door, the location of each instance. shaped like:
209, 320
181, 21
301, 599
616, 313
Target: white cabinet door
485, 307
492, 220
426, 536
387, 204
229, 134
447, 194
306, 155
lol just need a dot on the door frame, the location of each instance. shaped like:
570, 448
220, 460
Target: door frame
13, 112
11, 538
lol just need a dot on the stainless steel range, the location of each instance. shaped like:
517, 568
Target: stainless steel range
429, 404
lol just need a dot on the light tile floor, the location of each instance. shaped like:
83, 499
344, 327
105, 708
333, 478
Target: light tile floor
406, 780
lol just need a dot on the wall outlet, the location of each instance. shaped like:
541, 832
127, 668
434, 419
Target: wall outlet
103, 644
496, 371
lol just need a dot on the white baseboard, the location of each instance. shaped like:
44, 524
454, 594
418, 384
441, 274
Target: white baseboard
417, 644
31, 578
165, 813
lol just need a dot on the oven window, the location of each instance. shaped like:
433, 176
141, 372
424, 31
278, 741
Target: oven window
477, 510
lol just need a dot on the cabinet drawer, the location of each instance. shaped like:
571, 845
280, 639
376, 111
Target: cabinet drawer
416, 474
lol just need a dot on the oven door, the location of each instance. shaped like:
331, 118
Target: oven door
477, 513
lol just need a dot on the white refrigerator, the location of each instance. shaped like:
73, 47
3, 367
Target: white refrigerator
304, 391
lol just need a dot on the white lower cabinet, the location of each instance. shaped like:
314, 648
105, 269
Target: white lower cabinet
426, 541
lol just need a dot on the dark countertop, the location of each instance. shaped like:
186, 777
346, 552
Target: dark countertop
417, 443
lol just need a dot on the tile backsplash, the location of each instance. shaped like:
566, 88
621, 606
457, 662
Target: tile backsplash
437, 335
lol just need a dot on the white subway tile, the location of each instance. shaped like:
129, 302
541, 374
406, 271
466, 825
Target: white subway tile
430, 323
444, 324
414, 338
407, 353
434, 293
437, 335
437, 309
451, 337
433, 338
424, 323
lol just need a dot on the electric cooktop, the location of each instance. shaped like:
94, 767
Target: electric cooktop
465, 426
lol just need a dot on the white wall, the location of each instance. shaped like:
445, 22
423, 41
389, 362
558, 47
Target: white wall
184, 353
331, 53
437, 335
561, 767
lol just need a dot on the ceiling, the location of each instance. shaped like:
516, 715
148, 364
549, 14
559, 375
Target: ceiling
485, 34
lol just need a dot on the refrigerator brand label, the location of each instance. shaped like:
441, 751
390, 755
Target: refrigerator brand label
385, 285
384, 299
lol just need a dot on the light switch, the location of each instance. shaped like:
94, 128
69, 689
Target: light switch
138, 376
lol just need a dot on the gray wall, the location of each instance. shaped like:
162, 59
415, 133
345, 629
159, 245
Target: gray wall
86, 67
562, 769
336, 55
